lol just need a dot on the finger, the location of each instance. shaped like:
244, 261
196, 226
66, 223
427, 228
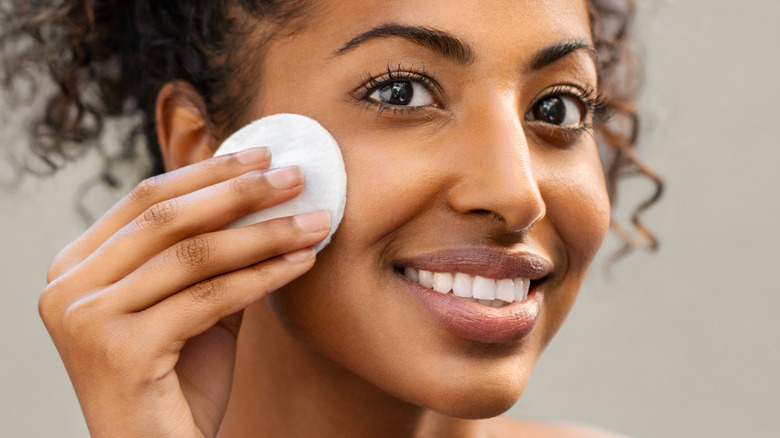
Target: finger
171, 221
201, 306
209, 255
154, 190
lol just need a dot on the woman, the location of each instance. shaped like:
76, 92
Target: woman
468, 134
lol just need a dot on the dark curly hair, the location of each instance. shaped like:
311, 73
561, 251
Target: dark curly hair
108, 59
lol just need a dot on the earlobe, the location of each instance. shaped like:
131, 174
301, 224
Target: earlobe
182, 131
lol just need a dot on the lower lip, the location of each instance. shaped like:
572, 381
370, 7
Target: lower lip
475, 322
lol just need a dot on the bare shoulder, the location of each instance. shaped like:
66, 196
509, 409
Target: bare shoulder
505, 427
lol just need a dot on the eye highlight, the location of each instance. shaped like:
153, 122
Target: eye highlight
568, 108
559, 110
400, 90
402, 93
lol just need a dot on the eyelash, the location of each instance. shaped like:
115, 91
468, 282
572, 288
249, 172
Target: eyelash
418, 75
594, 103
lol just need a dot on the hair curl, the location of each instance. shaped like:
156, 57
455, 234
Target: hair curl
109, 58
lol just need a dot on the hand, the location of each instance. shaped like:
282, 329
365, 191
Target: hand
144, 308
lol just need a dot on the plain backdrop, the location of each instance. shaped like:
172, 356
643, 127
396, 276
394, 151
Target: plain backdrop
680, 343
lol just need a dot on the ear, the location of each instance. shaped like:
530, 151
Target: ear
182, 130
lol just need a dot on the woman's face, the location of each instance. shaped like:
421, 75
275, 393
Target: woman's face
465, 131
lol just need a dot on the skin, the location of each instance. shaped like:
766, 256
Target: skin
145, 306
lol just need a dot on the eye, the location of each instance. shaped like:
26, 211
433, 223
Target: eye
402, 93
560, 110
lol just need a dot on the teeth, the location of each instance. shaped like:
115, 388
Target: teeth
425, 278
505, 290
518, 292
411, 274
442, 282
484, 288
486, 291
463, 285
522, 285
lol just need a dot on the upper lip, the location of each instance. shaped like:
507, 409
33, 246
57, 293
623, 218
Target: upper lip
484, 262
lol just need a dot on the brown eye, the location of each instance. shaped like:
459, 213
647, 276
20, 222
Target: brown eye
402, 93
563, 111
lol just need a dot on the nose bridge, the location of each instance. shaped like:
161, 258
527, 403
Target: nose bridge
497, 171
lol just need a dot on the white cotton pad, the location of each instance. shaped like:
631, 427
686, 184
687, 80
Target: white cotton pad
297, 140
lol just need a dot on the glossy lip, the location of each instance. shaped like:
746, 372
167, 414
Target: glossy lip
473, 321
487, 263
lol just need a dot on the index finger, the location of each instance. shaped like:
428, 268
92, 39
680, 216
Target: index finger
156, 189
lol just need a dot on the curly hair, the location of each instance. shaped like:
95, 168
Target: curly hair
108, 59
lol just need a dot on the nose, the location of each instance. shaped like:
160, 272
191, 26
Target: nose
496, 174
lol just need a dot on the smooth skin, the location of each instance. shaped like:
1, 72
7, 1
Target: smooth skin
145, 307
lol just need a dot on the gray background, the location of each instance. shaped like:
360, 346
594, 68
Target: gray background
681, 343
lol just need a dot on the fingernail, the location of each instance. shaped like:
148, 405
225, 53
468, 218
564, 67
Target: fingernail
253, 155
285, 178
313, 222
300, 255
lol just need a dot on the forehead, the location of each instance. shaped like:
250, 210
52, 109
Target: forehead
485, 24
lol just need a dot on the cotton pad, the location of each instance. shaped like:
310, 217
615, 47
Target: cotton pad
296, 140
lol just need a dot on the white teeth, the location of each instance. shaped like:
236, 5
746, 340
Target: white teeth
425, 278
484, 288
411, 274
526, 287
521, 288
505, 290
463, 285
442, 282
486, 291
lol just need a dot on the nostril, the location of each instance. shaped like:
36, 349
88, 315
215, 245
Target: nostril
488, 213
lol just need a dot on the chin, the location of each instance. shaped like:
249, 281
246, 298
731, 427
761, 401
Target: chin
472, 388
480, 401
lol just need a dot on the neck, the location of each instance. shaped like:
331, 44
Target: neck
283, 388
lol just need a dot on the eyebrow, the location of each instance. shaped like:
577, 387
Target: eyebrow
437, 41
454, 49
550, 55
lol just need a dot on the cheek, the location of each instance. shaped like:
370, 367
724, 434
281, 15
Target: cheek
385, 188
578, 206
578, 217
390, 181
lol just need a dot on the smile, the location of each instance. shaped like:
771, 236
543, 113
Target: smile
483, 295
485, 291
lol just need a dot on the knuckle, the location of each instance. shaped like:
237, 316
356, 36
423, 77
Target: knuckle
194, 253
242, 185
63, 262
209, 291
87, 333
279, 235
54, 272
146, 191
80, 321
53, 301
159, 215
263, 277
48, 306
211, 166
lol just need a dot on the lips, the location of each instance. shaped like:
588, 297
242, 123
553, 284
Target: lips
486, 291
486, 296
